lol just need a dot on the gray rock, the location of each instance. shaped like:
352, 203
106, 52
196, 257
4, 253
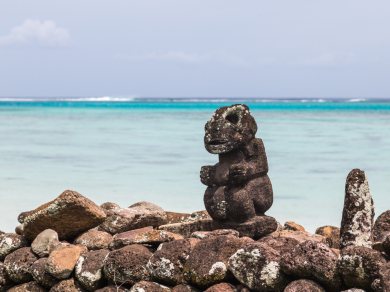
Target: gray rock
89, 269
19, 229
304, 285
218, 232
18, 263
28, 287
108, 206
44, 241
358, 212
257, 266
5, 282
94, 240
11, 242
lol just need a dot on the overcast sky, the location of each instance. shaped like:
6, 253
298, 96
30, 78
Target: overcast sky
220, 48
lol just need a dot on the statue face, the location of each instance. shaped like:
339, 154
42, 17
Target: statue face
229, 128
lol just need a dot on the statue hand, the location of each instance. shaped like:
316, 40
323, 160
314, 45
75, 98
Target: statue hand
238, 173
205, 174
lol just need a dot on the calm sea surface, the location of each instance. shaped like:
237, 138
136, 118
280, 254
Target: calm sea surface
149, 150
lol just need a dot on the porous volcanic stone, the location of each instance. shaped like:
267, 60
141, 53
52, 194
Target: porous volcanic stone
127, 264
207, 264
42, 243
354, 290
281, 244
28, 287
167, 263
358, 213
17, 265
187, 228
23, 216
304, 285
69, 285
290, 225
184, 288
69, 215
174, 217
145, 286
384, 276
39, 273
257, 266
139, 215
89, 269
222, 287
332, 235
359, 266
218, 232
11, 242
313, 260
5, 282
126, 238
108, 206
93, 239
62, 262
113, 289
386, 245
302, 236
19, 229
376, 285
382, 224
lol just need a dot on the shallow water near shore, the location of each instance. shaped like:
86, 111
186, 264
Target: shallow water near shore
150, 150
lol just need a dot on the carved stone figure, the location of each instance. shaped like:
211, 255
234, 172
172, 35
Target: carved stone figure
239, 190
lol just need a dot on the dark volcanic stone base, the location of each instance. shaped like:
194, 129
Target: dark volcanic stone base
256, 228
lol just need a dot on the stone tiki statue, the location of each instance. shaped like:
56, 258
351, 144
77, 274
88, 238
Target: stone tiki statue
239, 190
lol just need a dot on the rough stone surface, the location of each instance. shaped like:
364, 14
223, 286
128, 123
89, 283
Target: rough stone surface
139, 215
359, 266
174, 217
113, 289
384, 276
382, 224
187, 228
238, 187
126, 238
218, 232
11, 242
332, 235
208, 262
386, 245
145, 286
281, 244
108, 206
39, 273
257, 266
23, 216
304, 285
376, 285
5, 282
354, 290
89, 269
127, 264
93, 239
184, 288
313, 260
42, 243
28, 287
222, 287
167, 263
358, 213
69, 215
17, 265
61, 262
69, 285
19, 229
290, 225
301, 236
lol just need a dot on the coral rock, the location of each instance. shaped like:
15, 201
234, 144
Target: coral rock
93, 239
167, 263
89, 269
69, 215
313, 260
18, 263
290, 225
222, 287
358, 212
304, 285
69, 285
332, 235
44, 241
127, 264
187, 228
39, 273
11, 242
62, 262
28, 287
144, 286
257, 266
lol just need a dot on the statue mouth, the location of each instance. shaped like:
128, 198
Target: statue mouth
217, 141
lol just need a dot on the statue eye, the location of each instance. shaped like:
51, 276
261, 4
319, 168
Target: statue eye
233, 118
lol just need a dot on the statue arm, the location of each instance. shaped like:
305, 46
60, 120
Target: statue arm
207, 174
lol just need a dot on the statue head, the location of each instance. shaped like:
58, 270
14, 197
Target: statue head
229, 128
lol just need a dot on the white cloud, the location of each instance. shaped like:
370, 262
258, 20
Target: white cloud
330, 59
44, 33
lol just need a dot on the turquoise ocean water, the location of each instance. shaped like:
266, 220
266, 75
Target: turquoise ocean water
125, 151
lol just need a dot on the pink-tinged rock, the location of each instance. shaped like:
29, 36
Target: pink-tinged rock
382, 225
257, 266
187, 228
332, 235
5, 282
62, 262
69, 285
208, 263
108, 206
145, 286
315, 261
281, 244
94, 240
18, 263
167, 263
184, 288
139, 215
128, 264
304, 285
39, 273
89, 269
222, 287
69, 215
291, 225
358, 213
28, 287
11, 242
384, 276
44, 241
